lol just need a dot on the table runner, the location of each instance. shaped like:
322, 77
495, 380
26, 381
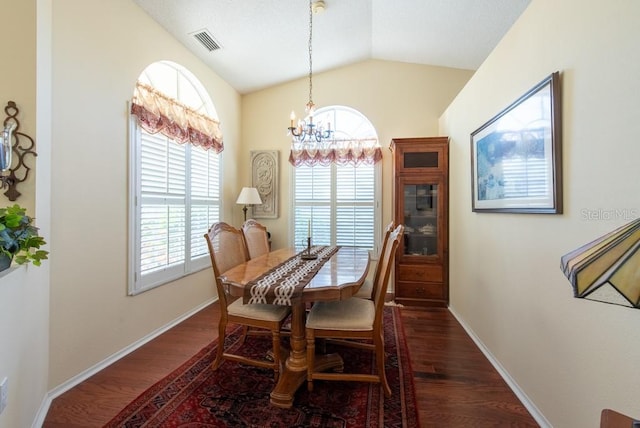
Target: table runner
284, 283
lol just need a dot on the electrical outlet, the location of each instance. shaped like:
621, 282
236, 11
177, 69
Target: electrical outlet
3, 394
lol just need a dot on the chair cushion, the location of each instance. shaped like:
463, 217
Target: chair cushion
259, 311
353, 314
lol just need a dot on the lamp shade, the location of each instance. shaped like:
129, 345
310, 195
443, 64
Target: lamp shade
607, 269
249, 196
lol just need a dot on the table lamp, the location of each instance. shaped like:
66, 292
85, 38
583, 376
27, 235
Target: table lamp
248, 196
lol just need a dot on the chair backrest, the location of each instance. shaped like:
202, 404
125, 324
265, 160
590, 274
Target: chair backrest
227, 250
381, 280
385, 239
255, 235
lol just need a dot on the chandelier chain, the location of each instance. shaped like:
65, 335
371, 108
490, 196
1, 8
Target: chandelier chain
310, 54
306, 131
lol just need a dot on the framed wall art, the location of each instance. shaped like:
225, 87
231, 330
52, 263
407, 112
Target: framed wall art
516, 157
264, 177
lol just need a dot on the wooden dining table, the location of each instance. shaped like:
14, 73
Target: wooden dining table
339, 278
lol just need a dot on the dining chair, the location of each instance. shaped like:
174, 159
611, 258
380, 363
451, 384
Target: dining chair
366, 289
227, 249
256, 237
354, 319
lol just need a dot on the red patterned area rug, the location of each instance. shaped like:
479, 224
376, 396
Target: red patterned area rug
238, 395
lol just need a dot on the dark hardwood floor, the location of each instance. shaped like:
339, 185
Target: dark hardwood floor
456, 386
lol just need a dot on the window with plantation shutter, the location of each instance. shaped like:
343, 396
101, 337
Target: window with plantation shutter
174, 190
355, 206
338, 203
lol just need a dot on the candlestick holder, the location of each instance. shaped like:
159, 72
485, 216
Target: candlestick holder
307, 255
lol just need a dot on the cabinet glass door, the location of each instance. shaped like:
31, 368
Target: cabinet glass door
420, 219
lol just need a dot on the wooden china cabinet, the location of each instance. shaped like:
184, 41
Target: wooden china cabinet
421, 203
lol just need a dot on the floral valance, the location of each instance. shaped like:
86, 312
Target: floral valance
341, 152
157, 112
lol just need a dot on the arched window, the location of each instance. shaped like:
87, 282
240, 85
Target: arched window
340, 198
174, 192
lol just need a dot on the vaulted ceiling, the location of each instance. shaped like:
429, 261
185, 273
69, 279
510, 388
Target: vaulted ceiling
265, 42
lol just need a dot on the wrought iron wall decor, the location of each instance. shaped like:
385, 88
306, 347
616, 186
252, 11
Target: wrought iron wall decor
13, 142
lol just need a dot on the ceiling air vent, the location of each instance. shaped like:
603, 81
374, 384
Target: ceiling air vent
206, 39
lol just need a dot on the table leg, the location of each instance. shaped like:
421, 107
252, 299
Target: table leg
294, 372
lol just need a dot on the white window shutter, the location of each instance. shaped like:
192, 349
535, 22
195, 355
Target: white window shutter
340, 203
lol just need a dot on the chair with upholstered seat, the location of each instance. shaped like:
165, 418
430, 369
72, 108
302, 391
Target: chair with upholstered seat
227, 249
366, 289
256, 237
353, 320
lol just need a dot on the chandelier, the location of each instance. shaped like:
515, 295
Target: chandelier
307, 131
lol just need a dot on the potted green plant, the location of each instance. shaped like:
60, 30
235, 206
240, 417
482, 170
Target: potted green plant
19, 238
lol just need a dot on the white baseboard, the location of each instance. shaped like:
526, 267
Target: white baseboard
537, 415
81, 377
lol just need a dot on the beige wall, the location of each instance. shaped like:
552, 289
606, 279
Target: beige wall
400, 100
24, 306
18, 84
99, 49
571, 357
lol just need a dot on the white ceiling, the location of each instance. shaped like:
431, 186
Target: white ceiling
265, 42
